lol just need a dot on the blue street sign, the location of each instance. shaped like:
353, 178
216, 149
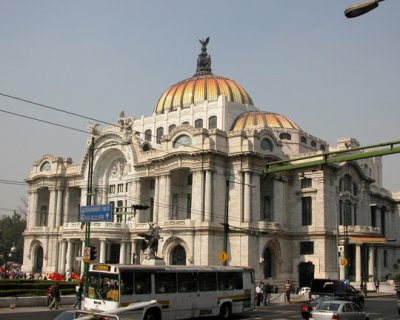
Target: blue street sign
102, 212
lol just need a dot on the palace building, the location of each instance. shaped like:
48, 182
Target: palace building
195, 169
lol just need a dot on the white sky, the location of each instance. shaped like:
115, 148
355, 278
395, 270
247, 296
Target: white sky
333, 76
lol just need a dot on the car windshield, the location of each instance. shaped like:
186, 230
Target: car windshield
103, 286
328, 305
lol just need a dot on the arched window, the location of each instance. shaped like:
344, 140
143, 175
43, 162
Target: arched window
183, 141
267, 263
185, 123
178, 256
146, 147
303, 140
212, 122
198, 123
266, 144
322, 147
313, 144
46, 166
171, 127
160, 132
147, 135
285, 136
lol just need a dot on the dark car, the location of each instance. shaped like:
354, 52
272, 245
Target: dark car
337, 288
309, 306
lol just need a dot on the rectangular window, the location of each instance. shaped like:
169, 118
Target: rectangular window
306, 211
373, 216
230, 280
267, 211
207, 281
165, 282
187, 282
120, 187
152, 184
151, 219
189, 206
112, 188
306, 247
189, 180
306, 183
142, 282
126, 187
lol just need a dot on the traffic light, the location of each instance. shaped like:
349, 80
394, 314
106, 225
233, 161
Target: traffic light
93, 253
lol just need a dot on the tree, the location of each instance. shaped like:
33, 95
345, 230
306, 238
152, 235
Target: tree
11, 229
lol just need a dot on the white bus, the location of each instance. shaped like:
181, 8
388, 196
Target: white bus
180, 292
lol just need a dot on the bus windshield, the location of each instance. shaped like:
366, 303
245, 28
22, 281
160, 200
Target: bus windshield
103, 286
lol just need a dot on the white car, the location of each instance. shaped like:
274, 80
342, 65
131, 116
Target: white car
304, 290
328, 310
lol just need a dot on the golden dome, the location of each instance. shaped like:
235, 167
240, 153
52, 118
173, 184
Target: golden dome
249, 120
203, 86
199, 89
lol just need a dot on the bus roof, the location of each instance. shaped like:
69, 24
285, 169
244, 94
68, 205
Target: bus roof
121, 267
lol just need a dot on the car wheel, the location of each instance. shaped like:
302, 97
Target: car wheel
225, 313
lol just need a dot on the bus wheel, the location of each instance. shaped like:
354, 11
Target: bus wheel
151, 315
225, 312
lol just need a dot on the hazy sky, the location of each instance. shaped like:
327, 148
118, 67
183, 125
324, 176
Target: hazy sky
333, 76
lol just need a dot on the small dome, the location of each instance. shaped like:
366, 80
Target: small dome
249, 120
203, 86
199, 89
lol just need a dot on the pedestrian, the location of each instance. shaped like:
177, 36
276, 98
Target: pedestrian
49, 298
268, 289
288, 290
79, 293
263, 293
376, 283
55, 296
258, 294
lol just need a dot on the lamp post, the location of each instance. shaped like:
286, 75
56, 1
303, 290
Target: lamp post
7, 257
361, 8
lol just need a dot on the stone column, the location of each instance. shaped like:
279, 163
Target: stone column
63, 256
358, 263
156, 198
247, 197
197, 195
66, 216
59, 207
167, 197
103, 251
208, 196
134, 256
33, 212
70, 250
52, 208
371, 261
122, 252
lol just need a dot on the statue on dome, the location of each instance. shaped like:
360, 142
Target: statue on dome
204, 59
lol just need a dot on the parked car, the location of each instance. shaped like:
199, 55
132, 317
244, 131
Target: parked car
304, 290
336, 288
309, 306
338, 309
398, 305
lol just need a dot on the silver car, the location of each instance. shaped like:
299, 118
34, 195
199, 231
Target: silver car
336, 309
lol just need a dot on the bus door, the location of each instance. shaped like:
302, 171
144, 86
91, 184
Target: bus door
166, 291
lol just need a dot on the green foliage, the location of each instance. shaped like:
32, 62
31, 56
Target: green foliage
396, 276
11, 229
23, 288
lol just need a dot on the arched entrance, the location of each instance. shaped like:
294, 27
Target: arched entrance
306, 274
267, 263
38, 260
178, 256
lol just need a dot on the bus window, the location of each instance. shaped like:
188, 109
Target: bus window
207, 281
230, 280
142, 282
165, 282
187, 282
126, 282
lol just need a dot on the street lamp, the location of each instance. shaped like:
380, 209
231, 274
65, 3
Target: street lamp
361, 8
7, 257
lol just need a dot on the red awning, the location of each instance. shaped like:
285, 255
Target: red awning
367, 240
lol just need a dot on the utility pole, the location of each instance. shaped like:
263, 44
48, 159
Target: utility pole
88, 202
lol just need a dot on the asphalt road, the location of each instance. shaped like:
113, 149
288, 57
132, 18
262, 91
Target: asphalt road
379, 308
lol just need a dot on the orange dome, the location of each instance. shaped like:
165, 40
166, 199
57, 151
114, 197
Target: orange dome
249, 120
201, 88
